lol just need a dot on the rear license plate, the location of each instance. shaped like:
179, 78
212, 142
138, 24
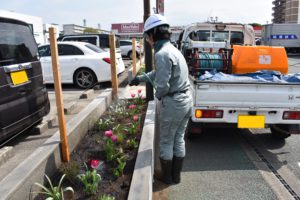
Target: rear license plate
19, 77
246, 121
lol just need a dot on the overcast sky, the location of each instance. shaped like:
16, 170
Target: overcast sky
106, 12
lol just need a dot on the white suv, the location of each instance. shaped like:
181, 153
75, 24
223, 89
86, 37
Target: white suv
126, 48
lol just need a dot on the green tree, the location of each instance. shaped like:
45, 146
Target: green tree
90, 30
255, 24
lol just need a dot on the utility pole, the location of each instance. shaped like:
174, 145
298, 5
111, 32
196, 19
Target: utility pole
148, 53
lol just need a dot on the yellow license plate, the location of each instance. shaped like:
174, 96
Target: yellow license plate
19, 77
246, 121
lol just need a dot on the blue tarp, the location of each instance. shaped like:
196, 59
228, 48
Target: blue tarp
265, 76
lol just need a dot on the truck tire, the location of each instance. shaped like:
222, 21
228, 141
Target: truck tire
193, 129
280, 131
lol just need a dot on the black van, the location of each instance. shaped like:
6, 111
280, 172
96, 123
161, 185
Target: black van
23, 96
100, 40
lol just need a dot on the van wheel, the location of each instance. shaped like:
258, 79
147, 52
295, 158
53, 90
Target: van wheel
280, 131
85, 78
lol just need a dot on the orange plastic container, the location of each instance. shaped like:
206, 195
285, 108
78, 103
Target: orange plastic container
246, 59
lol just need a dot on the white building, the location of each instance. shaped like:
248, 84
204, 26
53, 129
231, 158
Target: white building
46, 31
36, 23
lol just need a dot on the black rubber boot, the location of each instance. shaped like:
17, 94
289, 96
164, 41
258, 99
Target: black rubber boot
177, 167
166, 171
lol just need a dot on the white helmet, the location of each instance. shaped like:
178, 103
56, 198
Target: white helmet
154, 21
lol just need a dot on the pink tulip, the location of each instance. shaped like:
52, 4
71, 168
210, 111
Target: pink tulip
108, 133
132, 95
132, 107
139, 91
135, 118
114, 138
142, 97
95, 164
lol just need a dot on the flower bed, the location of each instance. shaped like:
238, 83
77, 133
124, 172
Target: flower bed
103, 162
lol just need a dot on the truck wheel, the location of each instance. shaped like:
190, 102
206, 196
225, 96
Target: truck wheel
193, 129
280, 131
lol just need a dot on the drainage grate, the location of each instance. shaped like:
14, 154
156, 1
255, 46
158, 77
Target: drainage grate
274, 171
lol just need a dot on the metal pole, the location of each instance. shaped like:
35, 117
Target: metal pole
148, 54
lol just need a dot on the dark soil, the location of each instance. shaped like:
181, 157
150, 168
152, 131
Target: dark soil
91, 147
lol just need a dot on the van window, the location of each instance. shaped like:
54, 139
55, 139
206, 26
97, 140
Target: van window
217, 36
125, 43
16, 44
90, 39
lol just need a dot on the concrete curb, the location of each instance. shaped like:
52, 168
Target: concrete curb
5, 154
47, 158
142, 178
87, 94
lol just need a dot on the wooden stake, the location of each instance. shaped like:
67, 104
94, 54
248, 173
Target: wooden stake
114, 78
133, 57
58, 95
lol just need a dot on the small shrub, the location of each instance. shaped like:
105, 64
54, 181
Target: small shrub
70, 169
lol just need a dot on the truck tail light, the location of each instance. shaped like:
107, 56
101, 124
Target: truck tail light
291, 115
107, 60
208, 113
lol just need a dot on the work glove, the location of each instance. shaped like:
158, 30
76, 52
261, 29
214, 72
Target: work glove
134, 81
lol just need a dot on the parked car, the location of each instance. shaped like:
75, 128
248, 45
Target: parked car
100, 40
126, 48
23, 95
81, 63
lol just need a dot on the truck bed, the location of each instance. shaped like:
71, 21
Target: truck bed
235, 99
256, 95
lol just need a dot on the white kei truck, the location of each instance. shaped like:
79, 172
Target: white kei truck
240, 104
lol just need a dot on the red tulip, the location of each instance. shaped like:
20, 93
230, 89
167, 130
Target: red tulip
114, 138
95, 164
135, 118
132, 107
132, 95
139, 91
108, 133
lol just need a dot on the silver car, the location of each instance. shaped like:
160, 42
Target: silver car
126, 48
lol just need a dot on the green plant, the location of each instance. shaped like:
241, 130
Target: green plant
54, 192
132, 129
106, 197
118, 171
132, 144
119, 109
90, 180
104, 124
110, 149
70, 169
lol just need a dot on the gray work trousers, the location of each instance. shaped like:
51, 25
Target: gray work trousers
175, 112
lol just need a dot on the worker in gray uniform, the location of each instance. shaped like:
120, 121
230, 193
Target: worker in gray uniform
170, 80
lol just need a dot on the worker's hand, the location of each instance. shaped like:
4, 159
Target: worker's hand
134, 81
